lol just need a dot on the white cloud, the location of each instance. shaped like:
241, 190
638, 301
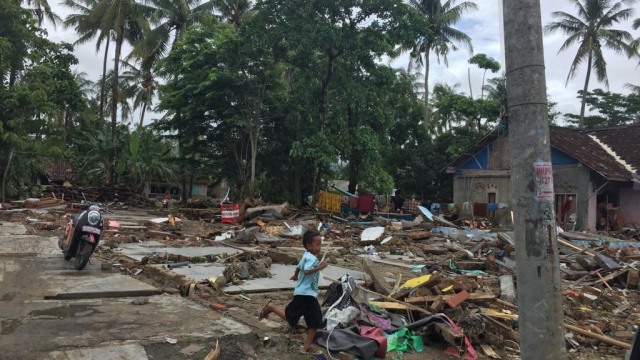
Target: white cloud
482, 25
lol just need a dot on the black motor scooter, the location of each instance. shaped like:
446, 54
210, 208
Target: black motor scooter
83, 232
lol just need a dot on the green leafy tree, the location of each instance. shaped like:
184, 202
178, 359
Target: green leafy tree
612, 109
486, 63
148, 157
592, 30
190, 121
37, 83
171, 19
438, 36
314, 37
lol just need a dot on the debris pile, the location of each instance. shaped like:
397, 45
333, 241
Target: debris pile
417, 280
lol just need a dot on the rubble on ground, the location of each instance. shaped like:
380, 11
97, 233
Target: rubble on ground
462, 270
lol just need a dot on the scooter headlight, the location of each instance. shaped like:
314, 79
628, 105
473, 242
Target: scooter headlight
94, 217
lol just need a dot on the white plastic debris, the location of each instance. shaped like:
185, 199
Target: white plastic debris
372, 233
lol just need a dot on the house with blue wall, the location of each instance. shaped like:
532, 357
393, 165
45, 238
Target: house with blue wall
595, 174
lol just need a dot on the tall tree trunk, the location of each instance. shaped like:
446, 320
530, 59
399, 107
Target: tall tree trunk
427, 109
104, 75
482, 88
323, 109
532, 194
185, 191
144, 108
469, 79
254, 136
5, 174
114, 109
584, 92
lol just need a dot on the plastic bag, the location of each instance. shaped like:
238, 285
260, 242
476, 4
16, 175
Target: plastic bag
403, 340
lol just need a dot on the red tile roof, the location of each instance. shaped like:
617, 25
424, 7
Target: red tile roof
624, 141
578, 144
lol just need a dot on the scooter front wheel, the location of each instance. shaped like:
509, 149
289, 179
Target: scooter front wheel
83, 255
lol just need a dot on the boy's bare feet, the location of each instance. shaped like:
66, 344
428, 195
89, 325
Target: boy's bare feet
310, 351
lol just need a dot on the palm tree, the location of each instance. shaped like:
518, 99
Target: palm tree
125, 20
171, 19
592, 30
496, 89
41, 9
636, 46
140, 85
444, 101
233, 12
88, 30
440, 36
124, 94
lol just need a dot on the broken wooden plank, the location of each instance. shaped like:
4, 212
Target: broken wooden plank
613, 275
607, 262
602, 338
575, 248
389, 305
437, 305
379, 283
473, 297
488, 350
497, 314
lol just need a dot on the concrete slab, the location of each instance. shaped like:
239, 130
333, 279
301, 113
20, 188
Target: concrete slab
46, 326
140, 250
279, 280
8, 228
29, 245
91, 283
121, 352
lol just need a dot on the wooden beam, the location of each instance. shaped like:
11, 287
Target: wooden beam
473, 297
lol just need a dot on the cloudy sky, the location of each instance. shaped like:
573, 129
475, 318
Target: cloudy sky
483, 26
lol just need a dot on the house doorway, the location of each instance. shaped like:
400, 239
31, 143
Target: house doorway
566, 210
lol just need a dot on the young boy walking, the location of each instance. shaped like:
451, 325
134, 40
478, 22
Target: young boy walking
305, 294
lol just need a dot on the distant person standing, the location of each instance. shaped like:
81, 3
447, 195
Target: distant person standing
426, 204
398, 201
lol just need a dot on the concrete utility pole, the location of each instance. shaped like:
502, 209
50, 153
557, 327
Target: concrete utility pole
541, 319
